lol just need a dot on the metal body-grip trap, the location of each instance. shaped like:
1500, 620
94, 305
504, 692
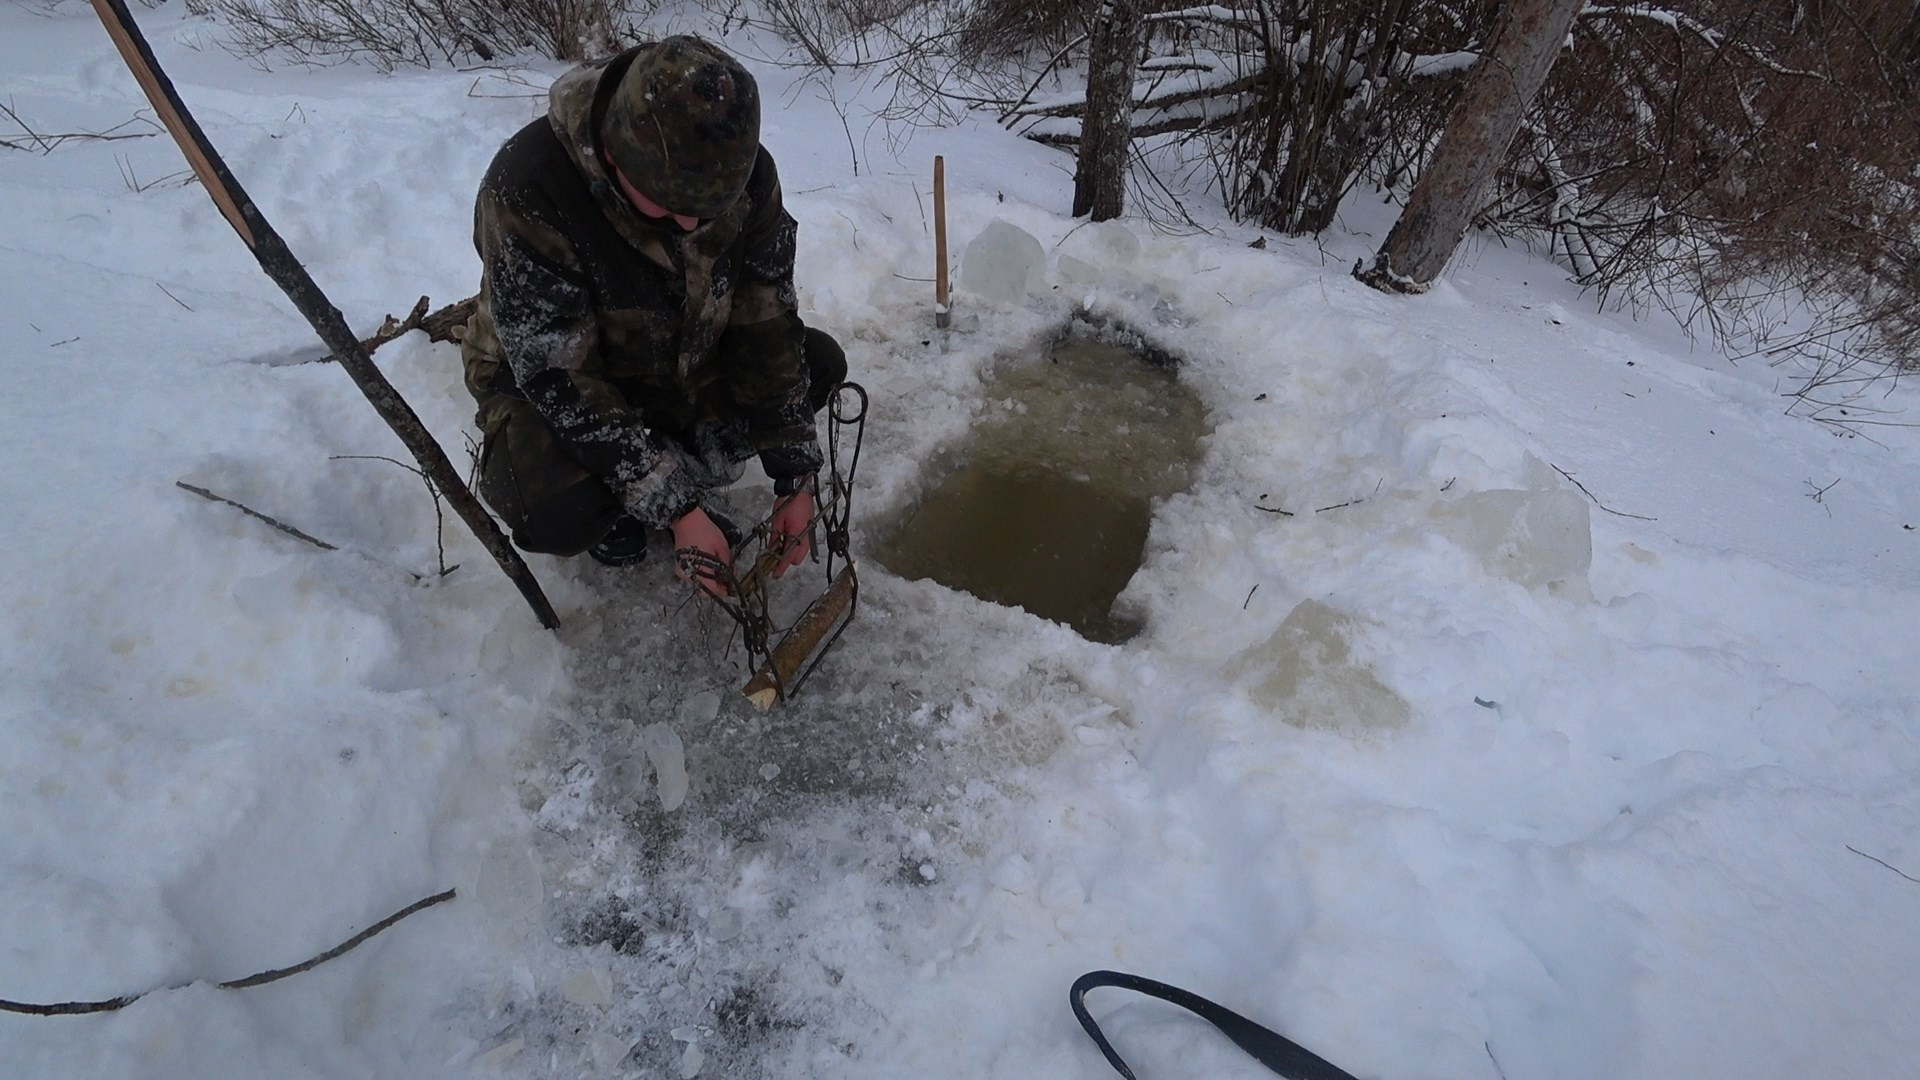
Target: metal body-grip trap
782, 658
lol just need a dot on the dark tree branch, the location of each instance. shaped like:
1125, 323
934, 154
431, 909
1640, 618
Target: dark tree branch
286, 271
1596, 500
252, 513
79, 1008
1884, 863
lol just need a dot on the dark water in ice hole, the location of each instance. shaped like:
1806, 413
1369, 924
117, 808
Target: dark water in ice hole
1049, 505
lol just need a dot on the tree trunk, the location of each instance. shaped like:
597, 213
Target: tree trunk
1106, 127
1501, 87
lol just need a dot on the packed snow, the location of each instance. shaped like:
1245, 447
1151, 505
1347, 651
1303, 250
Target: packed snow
1522, 694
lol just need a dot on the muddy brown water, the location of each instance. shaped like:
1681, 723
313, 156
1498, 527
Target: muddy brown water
1048, 504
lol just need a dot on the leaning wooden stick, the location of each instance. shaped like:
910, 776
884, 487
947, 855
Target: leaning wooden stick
941, 315
293, 279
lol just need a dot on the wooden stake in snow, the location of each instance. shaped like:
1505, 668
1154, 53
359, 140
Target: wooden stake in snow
941, 314
293, 279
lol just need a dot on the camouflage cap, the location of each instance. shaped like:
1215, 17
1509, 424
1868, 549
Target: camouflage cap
684, 126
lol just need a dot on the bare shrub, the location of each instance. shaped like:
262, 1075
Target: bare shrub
1750, 169
398, 33
1011, 29
1291, 101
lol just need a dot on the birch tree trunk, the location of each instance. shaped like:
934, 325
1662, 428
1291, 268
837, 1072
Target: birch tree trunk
1106, 128
1454, 186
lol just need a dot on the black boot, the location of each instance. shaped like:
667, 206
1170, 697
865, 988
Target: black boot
624, 545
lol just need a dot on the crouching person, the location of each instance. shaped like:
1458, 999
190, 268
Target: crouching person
636, 338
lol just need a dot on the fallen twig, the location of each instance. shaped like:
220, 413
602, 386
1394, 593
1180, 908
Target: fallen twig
1817, 493
439, 518
1884, 863
450, 322
531, 90
41, 143
390, 328
444, 324
346, 946
172, 297
1353, 502
252, 513
1495, 1060
131, 178
1272, 510
1596, 500
77, 1008
1249, 599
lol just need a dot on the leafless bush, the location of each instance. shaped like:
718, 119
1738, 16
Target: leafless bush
1291, 101
1750, 169
843, 33
46, 142
1015, 29
398, 33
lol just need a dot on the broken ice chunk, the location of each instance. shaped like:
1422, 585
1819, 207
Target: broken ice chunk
699, 709
499, 1055
1309, 677
591, 986
1111, 241
1003, 263
606, 1051
1077, 271
669, 759
1533, 537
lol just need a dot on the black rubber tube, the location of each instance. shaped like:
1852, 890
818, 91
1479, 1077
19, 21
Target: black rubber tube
1269, 1048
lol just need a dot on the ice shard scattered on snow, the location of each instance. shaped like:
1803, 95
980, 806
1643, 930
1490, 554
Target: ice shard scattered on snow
664, 751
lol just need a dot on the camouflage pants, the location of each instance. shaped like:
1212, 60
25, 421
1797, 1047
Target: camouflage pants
554, 506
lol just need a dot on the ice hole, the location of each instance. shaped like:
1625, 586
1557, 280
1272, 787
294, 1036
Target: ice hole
1047, 505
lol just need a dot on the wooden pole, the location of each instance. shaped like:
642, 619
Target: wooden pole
941, 314
275, 258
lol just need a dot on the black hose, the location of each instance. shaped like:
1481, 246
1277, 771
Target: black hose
1269, 1048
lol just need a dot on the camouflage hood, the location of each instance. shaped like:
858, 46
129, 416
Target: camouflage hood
572, 103
576, 103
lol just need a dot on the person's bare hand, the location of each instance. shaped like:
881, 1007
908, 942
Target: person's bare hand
695, 530
791, 532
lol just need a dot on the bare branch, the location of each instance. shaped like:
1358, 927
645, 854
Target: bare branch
1596, 500
252, 513
1884, 863
78, 1008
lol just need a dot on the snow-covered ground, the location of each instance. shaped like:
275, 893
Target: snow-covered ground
1406, 779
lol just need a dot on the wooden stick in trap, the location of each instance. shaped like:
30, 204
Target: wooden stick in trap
809, 639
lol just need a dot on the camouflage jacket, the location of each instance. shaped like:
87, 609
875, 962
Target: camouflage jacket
662, 359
